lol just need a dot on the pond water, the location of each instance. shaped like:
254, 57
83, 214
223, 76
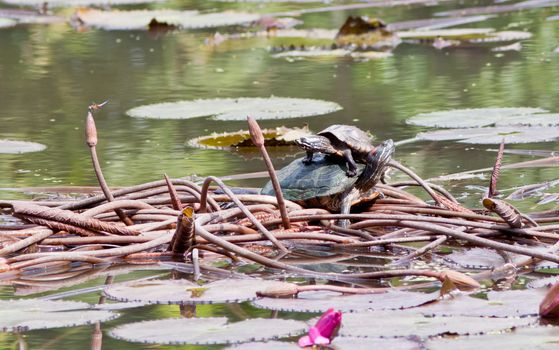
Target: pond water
49, 74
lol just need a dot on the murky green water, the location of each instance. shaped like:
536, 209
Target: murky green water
49, 74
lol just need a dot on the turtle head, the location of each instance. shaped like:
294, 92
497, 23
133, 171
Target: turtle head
316, 143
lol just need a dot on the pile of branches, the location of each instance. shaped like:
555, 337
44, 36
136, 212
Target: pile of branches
175, 218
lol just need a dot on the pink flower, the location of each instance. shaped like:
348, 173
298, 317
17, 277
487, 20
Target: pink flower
323, 331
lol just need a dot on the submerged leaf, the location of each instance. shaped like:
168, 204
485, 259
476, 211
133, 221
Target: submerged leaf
42, 314
458, 34
333, 53
236, 108
413, 323
186, 292
473, 117
493, 135
15, 147
140, 19
280, 136
322, 301
214, 330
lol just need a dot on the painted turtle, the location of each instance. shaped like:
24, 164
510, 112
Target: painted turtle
347, 141
324, 183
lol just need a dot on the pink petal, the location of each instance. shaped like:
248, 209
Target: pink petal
305, 341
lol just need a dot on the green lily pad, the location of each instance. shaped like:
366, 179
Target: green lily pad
338, 343
458, 34
186, 292
322, 301
494, 135
28, 314
140, 19
7, 22
519, 6
236, 108
205, 331
541, 338
76, 3
16, 147
473, 117
498, 304
412, 323
333, 53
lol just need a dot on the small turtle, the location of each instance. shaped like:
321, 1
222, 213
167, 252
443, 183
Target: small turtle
347, 141
324, 183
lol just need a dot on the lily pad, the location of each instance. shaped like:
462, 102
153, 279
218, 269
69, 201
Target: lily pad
280, 136
76, 3
339, 343
494, 135
186, 292
498, 304
474, 117
412, 323
511, 35
16, 147
543, 282
140, 19
236, 108
27, 314
205, 331
476, 258
322, 301
459, 34
6, 23
541, 338
333, 53
519, 6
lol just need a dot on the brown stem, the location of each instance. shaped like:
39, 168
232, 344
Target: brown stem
258, 140
414, 176
258, 224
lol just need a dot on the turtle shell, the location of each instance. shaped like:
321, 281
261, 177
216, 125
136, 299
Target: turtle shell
324, 177
352, 136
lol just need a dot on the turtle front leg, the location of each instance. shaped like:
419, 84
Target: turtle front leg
308, 158
351, 166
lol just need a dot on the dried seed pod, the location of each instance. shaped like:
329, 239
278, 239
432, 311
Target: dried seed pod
460, 280
506, 211
90, 131
549, 306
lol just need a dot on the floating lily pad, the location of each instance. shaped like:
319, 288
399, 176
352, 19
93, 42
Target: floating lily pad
140, 19
6, 23
541, 338
519, 6
459, 34
16, 147
476, 258
118, 306
511, 35
280, 136
76, 3
27, 314
322, 301
543, 282
339, 343
204, 331
236, 108
186, 292
494, 135
333, 53
498, 304
469, 118
412, 323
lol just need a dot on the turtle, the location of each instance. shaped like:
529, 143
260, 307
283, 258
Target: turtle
347, 141
324, 183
